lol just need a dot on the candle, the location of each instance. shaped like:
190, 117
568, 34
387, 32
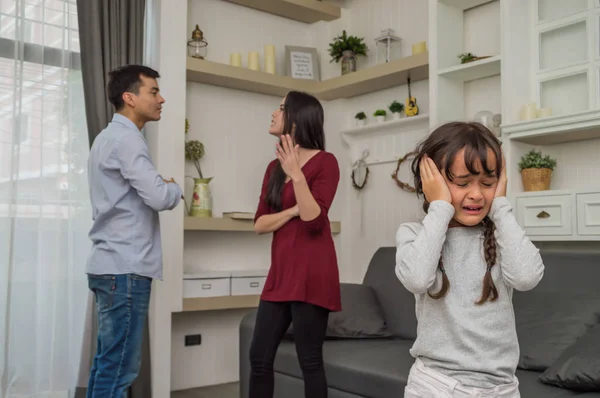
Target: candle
270, 59
544, 112
253, 60
269, 50
235, 59
419, 48
528, 111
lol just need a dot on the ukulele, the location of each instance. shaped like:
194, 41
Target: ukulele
411, 103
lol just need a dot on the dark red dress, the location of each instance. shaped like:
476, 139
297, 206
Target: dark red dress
303, 259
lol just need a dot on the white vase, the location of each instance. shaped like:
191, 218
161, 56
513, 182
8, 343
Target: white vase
380, 119
361, 123
397, 115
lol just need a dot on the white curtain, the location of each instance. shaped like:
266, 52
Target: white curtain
44, 205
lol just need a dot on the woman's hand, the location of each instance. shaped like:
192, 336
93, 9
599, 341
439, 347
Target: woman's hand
434, 184
288, 157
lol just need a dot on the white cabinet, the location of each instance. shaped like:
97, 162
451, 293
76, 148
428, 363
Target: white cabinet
545, 215
559, 215
248, 282
588, 213
207, 284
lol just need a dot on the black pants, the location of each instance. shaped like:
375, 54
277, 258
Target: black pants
272, 321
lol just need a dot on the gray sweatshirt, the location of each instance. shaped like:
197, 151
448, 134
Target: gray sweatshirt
474, 344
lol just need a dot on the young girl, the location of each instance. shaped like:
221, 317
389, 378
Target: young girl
303, 282
462, 263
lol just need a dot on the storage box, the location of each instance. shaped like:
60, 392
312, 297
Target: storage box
207, 284
248, 282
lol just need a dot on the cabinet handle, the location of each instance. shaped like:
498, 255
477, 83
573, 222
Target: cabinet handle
206, 286
253, 284
543, 214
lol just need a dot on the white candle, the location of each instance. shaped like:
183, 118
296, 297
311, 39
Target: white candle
270, 64
269, 59
235, 59
419, 48
253, 60
528, 112
269, 50
544, 112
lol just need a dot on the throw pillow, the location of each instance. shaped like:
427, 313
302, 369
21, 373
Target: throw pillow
578, 367
360, 317
549, 322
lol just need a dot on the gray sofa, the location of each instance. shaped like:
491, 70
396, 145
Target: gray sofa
550, 318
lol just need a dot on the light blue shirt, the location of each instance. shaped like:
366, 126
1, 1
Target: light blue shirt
126, 193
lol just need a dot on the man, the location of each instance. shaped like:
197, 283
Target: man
126, 193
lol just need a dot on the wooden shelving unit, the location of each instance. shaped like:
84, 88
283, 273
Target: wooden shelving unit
232, 225
220, 303
223, 75
375, 78
308, 11
363, 81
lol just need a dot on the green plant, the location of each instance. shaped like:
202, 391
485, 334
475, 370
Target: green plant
396, 107
535, 160
360, 116
380, 112
194, 150
466, 57
345, 42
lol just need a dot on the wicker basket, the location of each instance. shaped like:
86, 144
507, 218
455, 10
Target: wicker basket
536, 179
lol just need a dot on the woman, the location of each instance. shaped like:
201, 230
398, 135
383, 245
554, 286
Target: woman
303, 282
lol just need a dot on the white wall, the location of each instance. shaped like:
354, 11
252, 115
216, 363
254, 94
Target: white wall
233, 127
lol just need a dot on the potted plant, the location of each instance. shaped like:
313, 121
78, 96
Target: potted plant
347, 48
361, 119
396, 108
536, 170
469, 57
380, 115
201, 199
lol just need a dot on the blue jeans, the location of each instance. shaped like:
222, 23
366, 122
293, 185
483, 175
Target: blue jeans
122, 305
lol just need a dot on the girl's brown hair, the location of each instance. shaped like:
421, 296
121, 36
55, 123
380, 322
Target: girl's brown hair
442, 146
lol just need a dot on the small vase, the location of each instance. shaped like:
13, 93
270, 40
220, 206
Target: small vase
348, 62
201, 199
380, 119
361, 123
397, 115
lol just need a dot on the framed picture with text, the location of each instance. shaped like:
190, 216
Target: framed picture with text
302, 63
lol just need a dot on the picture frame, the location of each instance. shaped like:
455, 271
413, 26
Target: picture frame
302, 63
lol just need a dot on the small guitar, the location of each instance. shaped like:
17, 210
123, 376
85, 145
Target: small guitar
411, 103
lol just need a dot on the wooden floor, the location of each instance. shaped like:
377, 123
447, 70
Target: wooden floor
231, 390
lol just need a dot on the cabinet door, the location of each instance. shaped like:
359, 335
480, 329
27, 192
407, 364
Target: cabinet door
588, 214
545, 215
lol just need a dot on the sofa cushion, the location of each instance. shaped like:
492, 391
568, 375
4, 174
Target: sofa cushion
397, 303
578, 367
376, 368
549, 322
531, 387
360, 317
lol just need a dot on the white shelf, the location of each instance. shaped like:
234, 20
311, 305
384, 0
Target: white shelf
385, 126
465, 4
363, 81
225, 224
473, 70
308, 11
555, 129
